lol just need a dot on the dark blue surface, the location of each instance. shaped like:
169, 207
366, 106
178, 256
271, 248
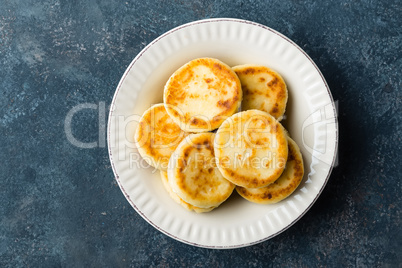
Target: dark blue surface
60, 205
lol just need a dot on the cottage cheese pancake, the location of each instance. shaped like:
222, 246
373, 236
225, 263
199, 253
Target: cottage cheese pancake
157, 136
251, 149
177, 199
263, 89
193, 174
282, 187
201, 94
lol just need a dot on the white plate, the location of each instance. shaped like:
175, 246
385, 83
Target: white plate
311, 121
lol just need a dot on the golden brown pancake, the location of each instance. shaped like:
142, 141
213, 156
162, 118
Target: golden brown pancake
177, 199
251, 149
157, 136
282, 187
193, 174
201, 94
263, 89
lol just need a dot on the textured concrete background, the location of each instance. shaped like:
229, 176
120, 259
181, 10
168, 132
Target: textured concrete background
60, 205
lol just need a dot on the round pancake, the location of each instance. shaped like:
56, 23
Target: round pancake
177, 199
251, 149
193, 174
282, 187
157, 136
263, 89
201, 94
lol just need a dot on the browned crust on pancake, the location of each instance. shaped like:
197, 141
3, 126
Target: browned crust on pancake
205, 169
202, 180
249, 180
275, 89
177, 199
157, 138
175, 93
274, 193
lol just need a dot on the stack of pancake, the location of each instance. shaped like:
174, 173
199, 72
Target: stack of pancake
218, 130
